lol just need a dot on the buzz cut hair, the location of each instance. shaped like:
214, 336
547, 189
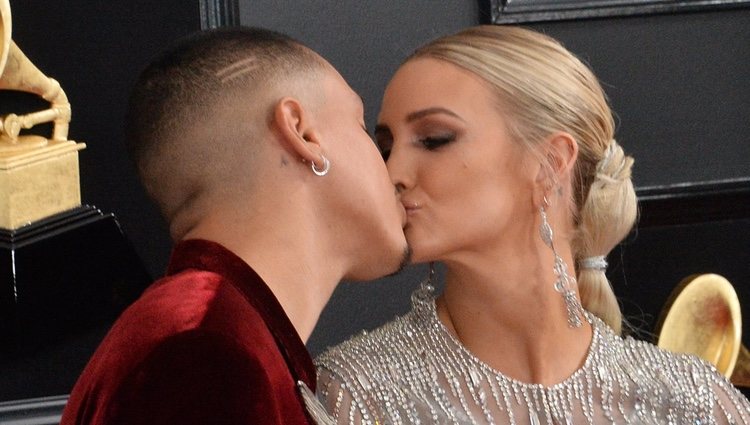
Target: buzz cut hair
186, 84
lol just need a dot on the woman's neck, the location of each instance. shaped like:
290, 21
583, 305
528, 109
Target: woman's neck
508, 314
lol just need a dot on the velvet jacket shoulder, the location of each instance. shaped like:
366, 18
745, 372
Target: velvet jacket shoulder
208, 343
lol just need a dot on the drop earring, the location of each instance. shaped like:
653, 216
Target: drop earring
564, 284
426, 288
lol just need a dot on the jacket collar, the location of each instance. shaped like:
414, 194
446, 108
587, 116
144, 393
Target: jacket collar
211, 256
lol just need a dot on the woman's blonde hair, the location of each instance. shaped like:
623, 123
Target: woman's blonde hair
545, 89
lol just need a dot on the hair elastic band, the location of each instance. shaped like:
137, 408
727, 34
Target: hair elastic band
594, 263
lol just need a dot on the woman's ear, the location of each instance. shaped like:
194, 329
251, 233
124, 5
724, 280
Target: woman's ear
296, 127
562, 152
558, 156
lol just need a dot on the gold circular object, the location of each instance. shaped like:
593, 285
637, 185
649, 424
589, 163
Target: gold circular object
704, 319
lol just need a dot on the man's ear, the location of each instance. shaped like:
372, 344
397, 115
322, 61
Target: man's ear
296, 127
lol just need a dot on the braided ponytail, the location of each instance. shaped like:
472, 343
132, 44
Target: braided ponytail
604, 219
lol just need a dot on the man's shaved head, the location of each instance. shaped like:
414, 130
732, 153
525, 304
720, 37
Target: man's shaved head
198, 107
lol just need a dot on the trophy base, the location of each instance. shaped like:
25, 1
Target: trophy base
38, 183
63, 281
21, 144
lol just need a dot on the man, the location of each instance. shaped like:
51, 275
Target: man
254, 149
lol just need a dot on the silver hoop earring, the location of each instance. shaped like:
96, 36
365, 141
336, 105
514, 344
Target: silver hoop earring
326, 166
564, 282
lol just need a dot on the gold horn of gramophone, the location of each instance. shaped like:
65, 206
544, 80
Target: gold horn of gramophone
38, 175
703, 317
18, 73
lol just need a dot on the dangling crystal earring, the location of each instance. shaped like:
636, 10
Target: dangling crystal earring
565, 282
428, 283
426, 289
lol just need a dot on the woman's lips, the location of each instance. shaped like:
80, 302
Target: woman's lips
410, 207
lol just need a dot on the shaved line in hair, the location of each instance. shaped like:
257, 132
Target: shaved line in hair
237, 69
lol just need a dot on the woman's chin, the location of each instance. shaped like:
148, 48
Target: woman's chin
423, 250
421, 256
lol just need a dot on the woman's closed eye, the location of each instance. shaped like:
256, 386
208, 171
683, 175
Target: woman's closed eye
434, 142
430, 143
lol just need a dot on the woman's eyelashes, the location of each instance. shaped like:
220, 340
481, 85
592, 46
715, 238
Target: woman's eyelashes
384, 140
430, 143
434, 142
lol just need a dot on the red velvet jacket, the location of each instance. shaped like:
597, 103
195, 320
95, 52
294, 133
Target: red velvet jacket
207, 344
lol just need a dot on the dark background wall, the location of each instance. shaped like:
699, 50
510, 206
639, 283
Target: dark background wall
679, 86
677, 82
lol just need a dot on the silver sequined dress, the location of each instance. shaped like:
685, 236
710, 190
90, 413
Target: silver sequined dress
412, 371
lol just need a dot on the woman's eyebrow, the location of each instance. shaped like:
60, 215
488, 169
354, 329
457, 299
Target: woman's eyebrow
416, 115
431, 111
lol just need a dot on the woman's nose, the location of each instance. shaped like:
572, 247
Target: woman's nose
399, 170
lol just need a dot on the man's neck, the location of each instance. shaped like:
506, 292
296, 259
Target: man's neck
288, 255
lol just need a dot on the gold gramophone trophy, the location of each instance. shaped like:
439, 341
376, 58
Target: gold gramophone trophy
65, 268
703, 317
38, 176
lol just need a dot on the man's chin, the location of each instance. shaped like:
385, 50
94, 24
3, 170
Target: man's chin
405, 260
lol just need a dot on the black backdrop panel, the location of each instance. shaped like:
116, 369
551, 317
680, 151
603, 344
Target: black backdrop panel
679, 86
654, 260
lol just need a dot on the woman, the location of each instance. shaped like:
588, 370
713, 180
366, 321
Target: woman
500, 143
